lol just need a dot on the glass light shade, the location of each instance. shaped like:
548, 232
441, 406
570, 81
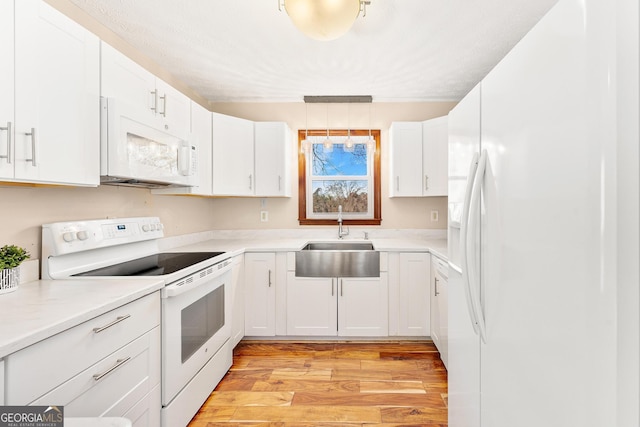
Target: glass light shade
349, 145
323, 19
327, 145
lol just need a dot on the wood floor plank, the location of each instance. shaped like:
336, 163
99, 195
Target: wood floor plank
244, 398
307, 385
415, 415
390, 365
360, 374
290, 414
393, 387
398, 400
333, 364
305, 373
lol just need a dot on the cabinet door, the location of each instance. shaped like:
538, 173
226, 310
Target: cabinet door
414, 294
443, 310
232, 156
435, 305
57, 90
260, 300
124, 79
272, 152
311, 305
175, 109
363, 306
7, 121
435, 148
406, 159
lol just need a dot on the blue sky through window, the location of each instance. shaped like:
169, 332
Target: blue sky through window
339, 161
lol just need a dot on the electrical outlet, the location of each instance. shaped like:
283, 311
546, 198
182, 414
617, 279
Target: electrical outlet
434, 216
264, 216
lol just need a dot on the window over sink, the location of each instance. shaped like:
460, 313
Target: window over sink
337, 171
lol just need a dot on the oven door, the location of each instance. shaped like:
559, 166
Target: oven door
195, 324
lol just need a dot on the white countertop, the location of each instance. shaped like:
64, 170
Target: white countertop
40, 309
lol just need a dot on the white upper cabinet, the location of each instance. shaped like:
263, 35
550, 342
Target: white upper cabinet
272, 154
405, 152
250, 159
7, 119
233, 154
418, 153
435, 154
50, 131
127, 81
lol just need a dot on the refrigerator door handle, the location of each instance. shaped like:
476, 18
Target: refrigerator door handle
472, 245
464, 224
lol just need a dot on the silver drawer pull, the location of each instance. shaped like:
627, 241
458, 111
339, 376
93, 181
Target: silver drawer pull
108, 325
119, 363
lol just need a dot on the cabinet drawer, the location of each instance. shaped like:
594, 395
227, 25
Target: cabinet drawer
41, 367
114, 385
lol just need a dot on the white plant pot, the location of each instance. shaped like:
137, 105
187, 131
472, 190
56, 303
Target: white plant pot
9, 279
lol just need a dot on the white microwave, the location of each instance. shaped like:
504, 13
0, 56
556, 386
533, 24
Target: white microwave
136, 150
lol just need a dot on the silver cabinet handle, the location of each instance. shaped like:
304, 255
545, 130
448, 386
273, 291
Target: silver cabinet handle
33, 146
250, 181
164, 105
269, 278
332, 287
341, 287
426, 182
8, 156
119, 363
154, 108
279, 183
108, 325
436, 293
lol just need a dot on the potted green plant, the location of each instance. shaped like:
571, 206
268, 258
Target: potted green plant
11, 257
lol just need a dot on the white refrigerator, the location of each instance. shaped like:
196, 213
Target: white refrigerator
532, 231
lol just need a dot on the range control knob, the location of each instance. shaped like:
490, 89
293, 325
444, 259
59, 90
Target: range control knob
146, 228
68, 236
82, 235
152, 227
159, 226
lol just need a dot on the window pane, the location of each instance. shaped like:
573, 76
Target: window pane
339, 161
328, 195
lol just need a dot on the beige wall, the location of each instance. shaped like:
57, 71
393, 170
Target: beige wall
24, 209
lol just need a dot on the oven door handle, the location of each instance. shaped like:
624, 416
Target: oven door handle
185, 285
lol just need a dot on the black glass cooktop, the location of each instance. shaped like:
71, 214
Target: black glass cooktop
153, 265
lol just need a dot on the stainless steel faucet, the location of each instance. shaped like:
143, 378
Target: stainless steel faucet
341, 232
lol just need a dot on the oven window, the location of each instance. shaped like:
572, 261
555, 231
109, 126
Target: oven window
201, 320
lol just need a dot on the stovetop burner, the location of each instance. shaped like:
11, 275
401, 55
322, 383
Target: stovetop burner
153, 265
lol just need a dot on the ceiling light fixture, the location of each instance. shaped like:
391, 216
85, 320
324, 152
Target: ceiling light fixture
324, 19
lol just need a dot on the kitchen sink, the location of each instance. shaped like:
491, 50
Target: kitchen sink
338, 259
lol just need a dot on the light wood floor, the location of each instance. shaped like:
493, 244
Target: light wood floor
284, 384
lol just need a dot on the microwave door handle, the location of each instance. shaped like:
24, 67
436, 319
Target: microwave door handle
184, 160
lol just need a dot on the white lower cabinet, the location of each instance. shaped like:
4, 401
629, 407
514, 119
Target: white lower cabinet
338, 306
439, 307
107, 366
409, 294
260, 294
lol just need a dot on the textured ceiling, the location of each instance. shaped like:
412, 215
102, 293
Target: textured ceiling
247, 50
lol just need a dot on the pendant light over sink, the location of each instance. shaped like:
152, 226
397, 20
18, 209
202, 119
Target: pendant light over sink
324, 19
